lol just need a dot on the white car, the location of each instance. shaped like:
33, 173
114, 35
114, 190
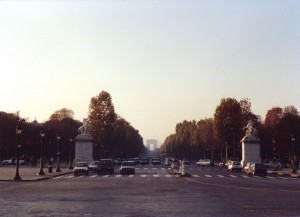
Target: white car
205, 162
127, 167
246, 167
235, 166
81, 168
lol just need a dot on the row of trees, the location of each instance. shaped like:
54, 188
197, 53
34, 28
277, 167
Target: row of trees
113, 135
220, 137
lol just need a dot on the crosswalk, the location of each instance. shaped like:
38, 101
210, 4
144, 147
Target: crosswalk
115, 176
240, 176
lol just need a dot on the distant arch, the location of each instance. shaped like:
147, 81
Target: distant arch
152, 142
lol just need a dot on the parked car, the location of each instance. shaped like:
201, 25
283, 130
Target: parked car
93, 165
235, 166
257, 168
127, 167
105, 165
81, 168
246, 167
205, 162
13, 161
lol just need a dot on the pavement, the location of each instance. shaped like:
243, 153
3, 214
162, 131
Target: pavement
29, 173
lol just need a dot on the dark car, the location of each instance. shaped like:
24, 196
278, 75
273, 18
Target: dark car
105, 166
257, 169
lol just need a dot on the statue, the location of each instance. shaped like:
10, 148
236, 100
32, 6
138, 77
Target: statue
84, 129
250, 130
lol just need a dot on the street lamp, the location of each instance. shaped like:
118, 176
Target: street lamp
294, 167
41, 172
57, 153
70, 156
18, 133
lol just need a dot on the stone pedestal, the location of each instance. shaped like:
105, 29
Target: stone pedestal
250, 150
83, 148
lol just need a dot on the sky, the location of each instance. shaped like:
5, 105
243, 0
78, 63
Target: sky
162, 61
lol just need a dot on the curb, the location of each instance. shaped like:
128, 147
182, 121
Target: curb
37, 179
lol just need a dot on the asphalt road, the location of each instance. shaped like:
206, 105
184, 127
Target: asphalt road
153, 192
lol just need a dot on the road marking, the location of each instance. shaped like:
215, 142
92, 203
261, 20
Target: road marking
130, 176
197, 176
220, 176
119, 176
208, 176
168, 175
233, 176
105, 176
143, 176
270, 177
259, 177
69, 177
156, 175
246, 177
94, 176
282, 178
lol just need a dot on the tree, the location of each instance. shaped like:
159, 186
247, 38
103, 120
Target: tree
102, 119
290, 110
8, 123
228, 124
62, 114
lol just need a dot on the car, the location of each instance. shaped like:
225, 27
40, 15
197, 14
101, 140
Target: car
105, 165
234, 166
156, 161
127, 167
144, 161
246, 167
81, 168
256, 169
13, 161
93, 165
205, 162
274, 163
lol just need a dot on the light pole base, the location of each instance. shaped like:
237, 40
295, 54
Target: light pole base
17, 177
41, 173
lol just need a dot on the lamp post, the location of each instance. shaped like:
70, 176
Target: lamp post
41, 172
294, 167
18, 133
70, 155
57, 153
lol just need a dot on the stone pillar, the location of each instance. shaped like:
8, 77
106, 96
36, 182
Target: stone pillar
250, 149
83, 148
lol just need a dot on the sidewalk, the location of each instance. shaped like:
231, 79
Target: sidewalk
28, 173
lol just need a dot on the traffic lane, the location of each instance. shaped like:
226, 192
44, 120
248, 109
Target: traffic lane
172, 197
224, 177
260, 202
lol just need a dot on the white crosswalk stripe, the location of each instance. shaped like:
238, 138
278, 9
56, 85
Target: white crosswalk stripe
220, 176
246, 177
233, 176
197, 176
208, 176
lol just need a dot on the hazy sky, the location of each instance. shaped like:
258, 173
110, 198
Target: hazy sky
162, 61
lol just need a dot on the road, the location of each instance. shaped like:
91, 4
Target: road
152, 191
